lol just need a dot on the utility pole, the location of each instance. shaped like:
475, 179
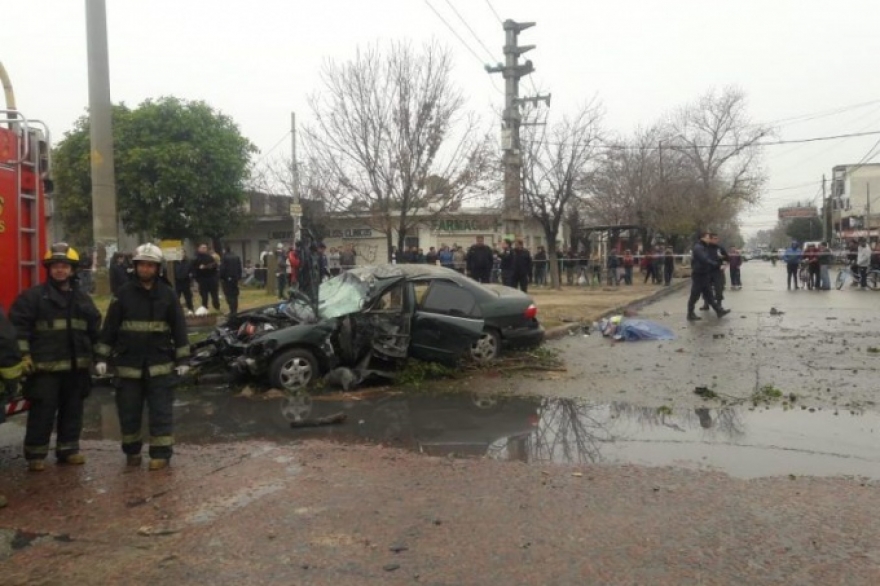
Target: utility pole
511, 158
826, 215
868, 213
104, 218
295, 208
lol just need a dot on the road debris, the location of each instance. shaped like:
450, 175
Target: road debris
334, 419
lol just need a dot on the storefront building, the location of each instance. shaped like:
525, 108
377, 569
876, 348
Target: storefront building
454, 228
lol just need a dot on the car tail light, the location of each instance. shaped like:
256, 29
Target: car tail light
531, 312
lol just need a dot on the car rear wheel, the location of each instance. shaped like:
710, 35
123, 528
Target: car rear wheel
487, 348
293, 370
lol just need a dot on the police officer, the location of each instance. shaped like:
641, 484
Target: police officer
144, 334
716, 276
57, 325
10, 369
230, 275
702, 265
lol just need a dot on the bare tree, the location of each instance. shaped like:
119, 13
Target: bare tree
722, 146
391, 133
556, 165
319, 195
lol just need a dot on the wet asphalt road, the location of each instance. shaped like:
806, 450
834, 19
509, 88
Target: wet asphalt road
820, 348
611, 473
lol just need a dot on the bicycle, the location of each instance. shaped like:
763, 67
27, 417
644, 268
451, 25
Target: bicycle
804, 276
846, 272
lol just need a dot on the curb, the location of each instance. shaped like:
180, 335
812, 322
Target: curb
563, 330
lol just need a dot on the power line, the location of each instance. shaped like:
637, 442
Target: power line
468, 27
275, 146
492, 8
461, 40
672, 147
819, 114
454, 32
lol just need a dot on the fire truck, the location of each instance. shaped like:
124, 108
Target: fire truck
24, 182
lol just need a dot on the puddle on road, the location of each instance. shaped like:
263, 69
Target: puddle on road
743, 443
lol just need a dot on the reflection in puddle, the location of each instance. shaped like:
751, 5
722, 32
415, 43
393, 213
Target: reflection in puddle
744, 443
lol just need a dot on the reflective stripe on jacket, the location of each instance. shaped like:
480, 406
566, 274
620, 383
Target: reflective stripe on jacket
144, 331
58, 329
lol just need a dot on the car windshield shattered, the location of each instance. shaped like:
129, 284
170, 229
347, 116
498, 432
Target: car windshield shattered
350, 292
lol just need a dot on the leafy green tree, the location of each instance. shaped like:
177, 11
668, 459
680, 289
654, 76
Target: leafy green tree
180, 171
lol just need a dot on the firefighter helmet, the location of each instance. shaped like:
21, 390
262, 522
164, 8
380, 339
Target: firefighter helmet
61, 252
148, 253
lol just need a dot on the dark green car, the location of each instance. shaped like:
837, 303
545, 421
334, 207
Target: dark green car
386, 312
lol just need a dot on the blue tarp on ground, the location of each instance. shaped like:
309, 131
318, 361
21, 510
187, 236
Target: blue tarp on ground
633, 329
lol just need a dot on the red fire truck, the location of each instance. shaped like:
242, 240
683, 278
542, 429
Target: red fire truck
24, 179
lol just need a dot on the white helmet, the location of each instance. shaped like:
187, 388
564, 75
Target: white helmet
148, 253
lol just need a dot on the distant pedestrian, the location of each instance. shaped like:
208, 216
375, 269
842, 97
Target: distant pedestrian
628, 263
825, 259
863, 261
668, 267
521, 267
206, 276
735, 269
792, 258
183, 274
479, 261
230, 274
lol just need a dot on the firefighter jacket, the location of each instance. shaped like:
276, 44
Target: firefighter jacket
10, 357
58, 329
144, 331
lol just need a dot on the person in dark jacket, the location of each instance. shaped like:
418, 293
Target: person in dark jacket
612, 265
205, 270
183, 272
521, 267
479, 260
716, 275
668, 266
144, 335
119, 274
541, 266
10, 370
702, 265
506, 263
230, 275
736, 262
57, 326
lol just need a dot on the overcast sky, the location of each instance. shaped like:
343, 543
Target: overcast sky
258, 61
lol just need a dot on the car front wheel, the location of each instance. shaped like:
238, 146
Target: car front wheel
487, 348
293, 370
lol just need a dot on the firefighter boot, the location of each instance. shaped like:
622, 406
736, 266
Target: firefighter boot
133, 460
158, 463
36, 465
73, 460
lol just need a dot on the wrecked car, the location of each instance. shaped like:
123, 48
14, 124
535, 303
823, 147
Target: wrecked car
384, 313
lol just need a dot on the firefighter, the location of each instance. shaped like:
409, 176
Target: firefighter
10, 369
57, 325
144, 335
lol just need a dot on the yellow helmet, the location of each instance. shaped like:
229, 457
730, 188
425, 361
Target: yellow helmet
61, 252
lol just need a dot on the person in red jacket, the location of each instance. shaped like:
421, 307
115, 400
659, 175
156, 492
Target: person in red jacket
292, 266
